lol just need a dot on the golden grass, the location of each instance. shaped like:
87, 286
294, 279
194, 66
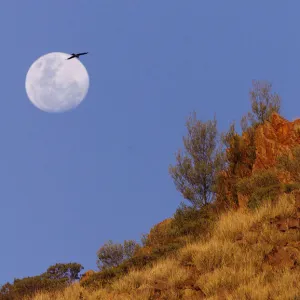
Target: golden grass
168, 271
225, 278
281, 285
222, 264
233, 222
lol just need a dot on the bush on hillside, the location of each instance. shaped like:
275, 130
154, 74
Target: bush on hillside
101, 279
108, 275
291, 163
190, 221
259, 187
29, 286
111, 254
56, 278
144, 239
69, 272
263, 193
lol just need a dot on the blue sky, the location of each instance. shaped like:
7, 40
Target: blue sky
72, 181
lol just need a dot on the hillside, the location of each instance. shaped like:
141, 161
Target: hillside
251, 250
248, 256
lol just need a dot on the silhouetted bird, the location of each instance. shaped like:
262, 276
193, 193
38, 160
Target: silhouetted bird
77, 55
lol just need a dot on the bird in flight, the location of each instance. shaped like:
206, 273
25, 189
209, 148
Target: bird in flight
77, 55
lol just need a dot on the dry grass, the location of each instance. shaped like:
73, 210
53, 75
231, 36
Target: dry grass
74, 292
168, 271
222, 264
281, 285
231, 223
225, 278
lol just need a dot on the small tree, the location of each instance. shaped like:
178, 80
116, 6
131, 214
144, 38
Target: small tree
112, 255
129, 248
263, 104
69, 271
195, 171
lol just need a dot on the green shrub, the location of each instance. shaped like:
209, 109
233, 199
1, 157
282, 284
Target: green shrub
29, 286
111, 255
291, 164
191, 221
100, 279
259, 187
262, 194
144, 239
140, 261
56, 278
69, 272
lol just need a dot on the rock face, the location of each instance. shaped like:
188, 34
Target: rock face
271, 140
274, 138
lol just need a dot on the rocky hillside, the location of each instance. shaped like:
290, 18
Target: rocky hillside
252, 250
248, 256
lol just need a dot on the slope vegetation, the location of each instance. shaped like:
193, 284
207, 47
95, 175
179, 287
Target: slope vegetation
248, 255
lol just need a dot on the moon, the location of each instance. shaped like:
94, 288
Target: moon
54, 84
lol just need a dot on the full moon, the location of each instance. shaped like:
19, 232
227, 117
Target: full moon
54, 84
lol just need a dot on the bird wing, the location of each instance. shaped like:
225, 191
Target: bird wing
71, 57
83, 53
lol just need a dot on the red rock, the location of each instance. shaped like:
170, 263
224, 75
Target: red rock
239, 236
160, 285
272, 139
293, 223
282, 225
282, 257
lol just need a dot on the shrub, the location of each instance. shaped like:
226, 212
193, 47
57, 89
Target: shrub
68, 271
144, 239
291, 163
29, 286
111, 255
56, 278
192, 221
129, 248
259, 186
140, 261
263, 193
263, 102
100, 279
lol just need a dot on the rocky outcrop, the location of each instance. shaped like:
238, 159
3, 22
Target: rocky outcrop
273, 139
